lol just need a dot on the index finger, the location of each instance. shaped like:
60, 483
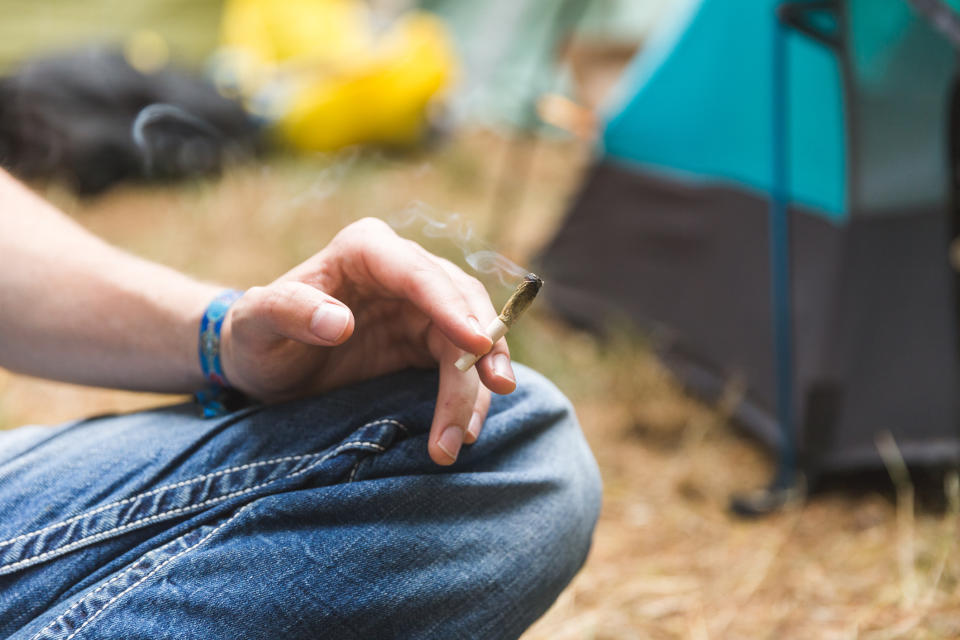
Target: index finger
371, 254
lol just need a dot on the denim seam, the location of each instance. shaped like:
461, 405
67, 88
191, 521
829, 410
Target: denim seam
353, 471
146, 494
207, 476
105, 534
395, 423
132, 566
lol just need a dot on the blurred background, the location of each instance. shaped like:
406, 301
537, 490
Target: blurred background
745, 214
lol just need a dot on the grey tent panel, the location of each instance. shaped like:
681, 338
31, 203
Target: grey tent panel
672, 228
876, 337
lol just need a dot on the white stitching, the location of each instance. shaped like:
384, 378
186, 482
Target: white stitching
95, 592
112, 580
103, 534
100, 509
133, 565
183, 483
395, 423
353, 472
141, 580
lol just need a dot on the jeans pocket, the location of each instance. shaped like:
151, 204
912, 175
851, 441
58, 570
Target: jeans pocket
219, 489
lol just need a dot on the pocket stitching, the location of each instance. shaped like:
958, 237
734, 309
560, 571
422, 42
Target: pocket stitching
146, 494
134, 585
182, 483
6, 568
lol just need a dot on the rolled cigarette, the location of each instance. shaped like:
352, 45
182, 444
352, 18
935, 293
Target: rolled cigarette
521, 298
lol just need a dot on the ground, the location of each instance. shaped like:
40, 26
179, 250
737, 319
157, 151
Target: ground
668, 561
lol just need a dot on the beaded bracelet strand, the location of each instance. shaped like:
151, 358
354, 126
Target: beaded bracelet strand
218, 397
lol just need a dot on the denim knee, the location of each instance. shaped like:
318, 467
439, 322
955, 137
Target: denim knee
334, 522
559, 519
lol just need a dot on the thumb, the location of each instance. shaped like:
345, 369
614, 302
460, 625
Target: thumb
298, 311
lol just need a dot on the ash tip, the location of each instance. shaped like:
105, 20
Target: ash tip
521, 298
534, 279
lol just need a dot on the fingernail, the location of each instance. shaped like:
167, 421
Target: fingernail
475, 423
450, 441
501, 366
329, 321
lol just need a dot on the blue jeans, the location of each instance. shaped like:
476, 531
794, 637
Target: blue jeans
321, 518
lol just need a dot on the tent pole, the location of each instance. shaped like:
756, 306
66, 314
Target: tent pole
780, 276
784, 485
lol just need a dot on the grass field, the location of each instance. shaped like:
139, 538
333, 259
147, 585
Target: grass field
668, 560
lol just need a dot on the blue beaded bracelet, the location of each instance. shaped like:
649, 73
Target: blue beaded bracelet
213, 399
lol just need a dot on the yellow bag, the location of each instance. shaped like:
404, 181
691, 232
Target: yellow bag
317, 71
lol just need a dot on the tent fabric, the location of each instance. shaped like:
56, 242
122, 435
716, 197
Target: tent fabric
900, 72
703, 106
671, 228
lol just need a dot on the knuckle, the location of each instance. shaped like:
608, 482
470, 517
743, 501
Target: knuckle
357, 237
368, 225
462, 400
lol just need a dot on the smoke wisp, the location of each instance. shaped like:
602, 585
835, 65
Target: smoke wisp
457, 229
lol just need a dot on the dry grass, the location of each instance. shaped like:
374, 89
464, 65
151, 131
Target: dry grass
668, 560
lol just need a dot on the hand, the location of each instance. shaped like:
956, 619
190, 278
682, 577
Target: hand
407, 307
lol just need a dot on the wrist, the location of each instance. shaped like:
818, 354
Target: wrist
209, 339
194, 308
217, 396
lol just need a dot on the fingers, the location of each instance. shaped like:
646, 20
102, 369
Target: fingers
495, 370
480, 409
298, 311
367, 261
369, 249
456, 398
462, 404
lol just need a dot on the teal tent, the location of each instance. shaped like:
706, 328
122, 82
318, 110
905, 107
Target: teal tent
774, 201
